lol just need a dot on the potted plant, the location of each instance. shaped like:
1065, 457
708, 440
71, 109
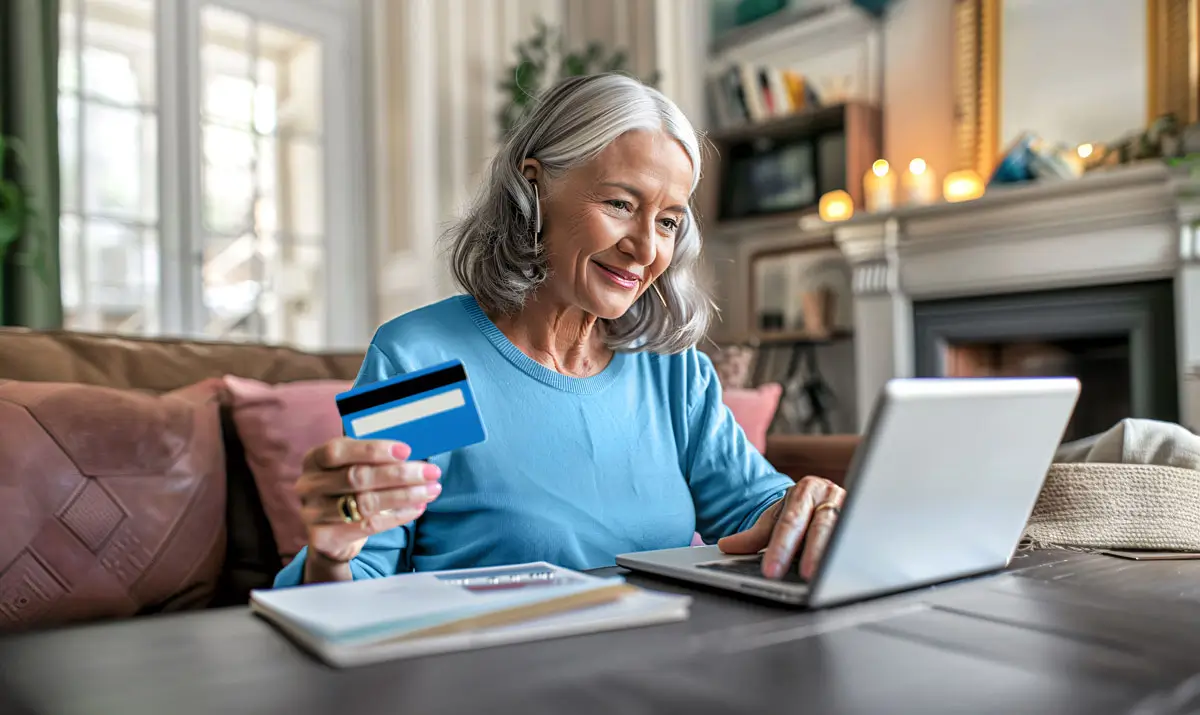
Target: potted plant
542, 59
16, 211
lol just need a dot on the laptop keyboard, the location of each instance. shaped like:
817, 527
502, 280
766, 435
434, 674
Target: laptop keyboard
752, 567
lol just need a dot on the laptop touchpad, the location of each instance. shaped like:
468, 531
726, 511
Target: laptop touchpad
751, 566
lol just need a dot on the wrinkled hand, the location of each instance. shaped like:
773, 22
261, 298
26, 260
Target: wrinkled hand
782, 528
389, 491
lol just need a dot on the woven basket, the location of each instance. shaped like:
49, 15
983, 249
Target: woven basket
1118, 506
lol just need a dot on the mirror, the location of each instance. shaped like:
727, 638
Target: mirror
1069, 71
800, 293
1072, 71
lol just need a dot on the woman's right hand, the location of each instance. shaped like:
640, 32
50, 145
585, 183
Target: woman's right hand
389, 491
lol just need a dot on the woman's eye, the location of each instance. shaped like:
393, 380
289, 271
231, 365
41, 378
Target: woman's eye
620, 205
670, 224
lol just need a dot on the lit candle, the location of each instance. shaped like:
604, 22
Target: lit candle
1087, 157
920, 183
962, 185
879, 187
836, 206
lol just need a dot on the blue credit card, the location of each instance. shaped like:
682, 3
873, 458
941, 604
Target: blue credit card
432, 411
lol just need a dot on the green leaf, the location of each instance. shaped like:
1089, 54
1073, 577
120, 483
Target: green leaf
17, 214
525, 74
574, 66
14, 213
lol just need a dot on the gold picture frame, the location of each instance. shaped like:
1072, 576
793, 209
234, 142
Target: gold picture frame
1173, 66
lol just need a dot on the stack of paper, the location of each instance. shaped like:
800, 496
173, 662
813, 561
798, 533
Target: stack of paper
440, 611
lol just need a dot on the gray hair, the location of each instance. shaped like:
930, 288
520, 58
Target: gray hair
493, 251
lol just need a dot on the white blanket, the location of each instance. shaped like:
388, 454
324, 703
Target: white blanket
1137, 441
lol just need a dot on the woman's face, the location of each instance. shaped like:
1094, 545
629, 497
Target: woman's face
610, 226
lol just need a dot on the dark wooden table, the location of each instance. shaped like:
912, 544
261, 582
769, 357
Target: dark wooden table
1058, 633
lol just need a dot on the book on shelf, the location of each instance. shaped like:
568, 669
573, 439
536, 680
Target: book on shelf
745, 93
356, 622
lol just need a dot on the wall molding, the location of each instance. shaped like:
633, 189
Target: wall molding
872, 277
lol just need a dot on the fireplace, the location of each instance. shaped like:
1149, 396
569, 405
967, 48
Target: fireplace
1097, 277
1119, 341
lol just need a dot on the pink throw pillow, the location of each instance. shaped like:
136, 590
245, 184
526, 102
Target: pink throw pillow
278, 425
754, 409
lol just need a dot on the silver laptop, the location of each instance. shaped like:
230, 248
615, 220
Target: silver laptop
940, 488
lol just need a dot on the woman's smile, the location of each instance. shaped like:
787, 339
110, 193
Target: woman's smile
622, 278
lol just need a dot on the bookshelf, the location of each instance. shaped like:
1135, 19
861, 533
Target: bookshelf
836, 49
811, 72
782, 126
845, 139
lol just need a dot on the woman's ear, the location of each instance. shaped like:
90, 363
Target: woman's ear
531, 169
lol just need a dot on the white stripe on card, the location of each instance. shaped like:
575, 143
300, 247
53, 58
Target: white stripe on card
403, 414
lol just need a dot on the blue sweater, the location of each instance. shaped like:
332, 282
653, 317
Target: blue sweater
574, 470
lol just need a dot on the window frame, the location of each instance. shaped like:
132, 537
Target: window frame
347, 276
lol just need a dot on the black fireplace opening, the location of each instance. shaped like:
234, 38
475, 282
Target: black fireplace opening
1119, 341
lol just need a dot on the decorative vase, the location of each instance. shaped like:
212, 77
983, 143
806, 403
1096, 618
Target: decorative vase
819, 309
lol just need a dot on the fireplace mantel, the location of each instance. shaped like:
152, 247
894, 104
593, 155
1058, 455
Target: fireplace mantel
1124, 225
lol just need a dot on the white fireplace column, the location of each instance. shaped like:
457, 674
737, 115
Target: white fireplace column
883, 319
1187, 308
1125, 225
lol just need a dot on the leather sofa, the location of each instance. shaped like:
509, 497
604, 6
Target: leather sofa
128, 500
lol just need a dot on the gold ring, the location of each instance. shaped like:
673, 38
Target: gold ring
348, 508
832, 506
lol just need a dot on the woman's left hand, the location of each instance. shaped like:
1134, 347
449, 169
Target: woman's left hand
810, 507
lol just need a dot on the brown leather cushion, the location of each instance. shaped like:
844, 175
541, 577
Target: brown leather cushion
112, 502
158, 365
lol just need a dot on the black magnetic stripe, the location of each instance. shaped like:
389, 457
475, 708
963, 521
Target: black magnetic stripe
400, 390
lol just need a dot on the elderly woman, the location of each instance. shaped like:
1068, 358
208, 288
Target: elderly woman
578, 323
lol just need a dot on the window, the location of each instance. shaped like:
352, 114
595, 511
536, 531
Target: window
261, 179
228, 102
108, 144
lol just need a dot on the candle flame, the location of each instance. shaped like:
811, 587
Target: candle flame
963, 186
836, 206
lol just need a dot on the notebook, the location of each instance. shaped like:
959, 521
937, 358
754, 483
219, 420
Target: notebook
414, 614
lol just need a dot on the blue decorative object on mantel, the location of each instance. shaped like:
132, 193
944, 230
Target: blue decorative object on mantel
1015, 163
1030, 157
